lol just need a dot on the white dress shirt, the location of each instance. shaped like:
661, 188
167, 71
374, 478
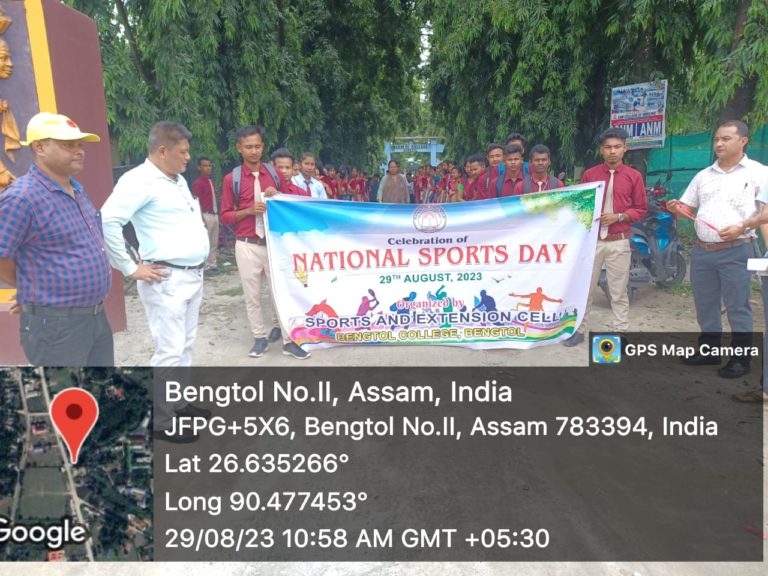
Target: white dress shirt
316, 188
726, 198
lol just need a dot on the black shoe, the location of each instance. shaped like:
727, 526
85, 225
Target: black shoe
736, 368
293, 349
259, 347
701, 360
194, 411
186, 437
574, 340
275, 334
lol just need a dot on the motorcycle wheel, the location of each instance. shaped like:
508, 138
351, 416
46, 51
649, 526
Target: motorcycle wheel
679, 274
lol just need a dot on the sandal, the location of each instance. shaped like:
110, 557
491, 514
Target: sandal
751, 397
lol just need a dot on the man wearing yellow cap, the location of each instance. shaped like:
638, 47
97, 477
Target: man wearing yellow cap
52, 250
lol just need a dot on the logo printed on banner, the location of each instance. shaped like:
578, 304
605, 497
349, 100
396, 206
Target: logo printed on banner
429, 218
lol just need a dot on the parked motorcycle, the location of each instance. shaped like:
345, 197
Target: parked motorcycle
656, 251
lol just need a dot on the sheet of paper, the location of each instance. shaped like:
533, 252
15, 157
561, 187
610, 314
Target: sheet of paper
759, 265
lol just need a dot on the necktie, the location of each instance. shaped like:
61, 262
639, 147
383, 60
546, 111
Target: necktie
608, 205
309, 190
257, 197
213, 197
541, 185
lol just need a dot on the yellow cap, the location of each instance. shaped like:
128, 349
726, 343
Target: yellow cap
57, 127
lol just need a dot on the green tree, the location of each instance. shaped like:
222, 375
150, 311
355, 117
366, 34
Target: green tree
545, 68
362, 58
321, 75
729, 76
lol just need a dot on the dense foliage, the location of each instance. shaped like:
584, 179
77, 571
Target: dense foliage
545, 67
338, 77
323, 75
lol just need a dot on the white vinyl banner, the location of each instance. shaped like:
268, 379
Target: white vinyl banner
510, 272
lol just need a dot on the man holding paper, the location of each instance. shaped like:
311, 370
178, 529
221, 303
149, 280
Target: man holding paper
724, 196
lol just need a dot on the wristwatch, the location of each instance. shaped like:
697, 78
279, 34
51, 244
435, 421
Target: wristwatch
621, 217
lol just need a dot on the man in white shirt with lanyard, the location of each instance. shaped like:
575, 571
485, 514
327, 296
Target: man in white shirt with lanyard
725, 199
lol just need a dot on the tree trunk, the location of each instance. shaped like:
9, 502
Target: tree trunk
742, 100
148, 79
645, 61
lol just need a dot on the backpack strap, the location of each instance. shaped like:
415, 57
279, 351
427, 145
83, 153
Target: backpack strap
237, 174
527, 184
273, 173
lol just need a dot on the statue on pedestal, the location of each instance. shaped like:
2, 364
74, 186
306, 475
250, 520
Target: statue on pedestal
8, 126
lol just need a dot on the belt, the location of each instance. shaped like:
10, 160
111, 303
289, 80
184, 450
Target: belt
614, 237
252, 240
164, 263
63, 311
710, 246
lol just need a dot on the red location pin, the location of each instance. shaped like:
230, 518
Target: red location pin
74, 412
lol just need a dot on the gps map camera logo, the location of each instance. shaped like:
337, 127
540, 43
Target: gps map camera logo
606, 349
429, 218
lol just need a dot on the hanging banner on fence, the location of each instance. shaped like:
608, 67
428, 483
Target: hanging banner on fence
640, 109
503, 273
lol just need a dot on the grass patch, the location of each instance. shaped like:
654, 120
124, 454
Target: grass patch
687, 234
5, 506
36, 404
43, 494
684, 288
226, 269
236, 291
225, 260
60, 378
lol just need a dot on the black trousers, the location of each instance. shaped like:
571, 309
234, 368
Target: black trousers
72, 341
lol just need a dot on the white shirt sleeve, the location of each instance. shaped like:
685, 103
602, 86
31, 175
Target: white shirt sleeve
762, 190
117, 211
691, 194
